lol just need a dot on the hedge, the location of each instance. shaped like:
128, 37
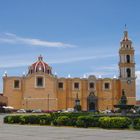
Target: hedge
29, 119
62, 121
71, 115
114, 122
71, 119
57, 117
45, 119
136, 123
12, 119
87, 121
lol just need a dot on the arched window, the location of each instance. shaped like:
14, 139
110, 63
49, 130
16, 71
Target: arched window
128, 71
91, 85
48, 71
128, 58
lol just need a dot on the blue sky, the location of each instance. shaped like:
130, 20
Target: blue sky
75, 37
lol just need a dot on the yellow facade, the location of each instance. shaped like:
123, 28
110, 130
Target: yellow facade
40, 89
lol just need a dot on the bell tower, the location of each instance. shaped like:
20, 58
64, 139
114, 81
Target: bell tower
127, 68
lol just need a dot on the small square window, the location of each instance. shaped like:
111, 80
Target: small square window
39, 82
106, 86
16, 84
60, 85
91, 85
76, 85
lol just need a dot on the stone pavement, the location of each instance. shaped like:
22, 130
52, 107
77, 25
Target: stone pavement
27, 132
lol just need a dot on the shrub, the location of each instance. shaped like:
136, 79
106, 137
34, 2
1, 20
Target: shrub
45, 119
72, 117
32, 119
114, 122
136, 123
6, 119
62, 121
70, 114
28, 119
16, 118
35, 119
87, 121
23, 119
12, 119
72, 121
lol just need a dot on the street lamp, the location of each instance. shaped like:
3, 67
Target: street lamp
77, 106
48, 101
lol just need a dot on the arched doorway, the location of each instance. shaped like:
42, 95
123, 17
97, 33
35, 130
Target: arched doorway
92, 102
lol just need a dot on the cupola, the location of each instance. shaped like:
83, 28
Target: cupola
40, 66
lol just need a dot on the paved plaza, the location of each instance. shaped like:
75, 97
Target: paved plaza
27, 132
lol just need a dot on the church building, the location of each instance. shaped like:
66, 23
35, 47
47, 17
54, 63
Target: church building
41, 89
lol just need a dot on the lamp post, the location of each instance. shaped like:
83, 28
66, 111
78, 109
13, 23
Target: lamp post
77, 103
48, 101
26, 104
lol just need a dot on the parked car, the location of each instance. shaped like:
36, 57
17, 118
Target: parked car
106, 111
37, 111
59, 111
68, 110
8, 109
21, 111
29, 111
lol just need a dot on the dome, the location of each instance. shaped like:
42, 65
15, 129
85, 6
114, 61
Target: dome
40, 66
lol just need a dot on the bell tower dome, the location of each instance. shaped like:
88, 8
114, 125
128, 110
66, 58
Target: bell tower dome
127, 67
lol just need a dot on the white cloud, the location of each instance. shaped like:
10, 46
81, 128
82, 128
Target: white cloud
104, 71
138, 74
138, 84
20, 60
138, 78
76, 59
102, 74
14, 39
96, 73
15, 65
111, 68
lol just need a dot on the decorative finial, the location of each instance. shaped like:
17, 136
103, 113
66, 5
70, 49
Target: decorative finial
5, 74
23, 74
55, 74
100, 76
125, 33
115, 77
69, 76
125, 27
84, 76
40, 58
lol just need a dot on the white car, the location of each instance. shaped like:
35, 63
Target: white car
21, 111
37, 111
106, 111
69, 110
